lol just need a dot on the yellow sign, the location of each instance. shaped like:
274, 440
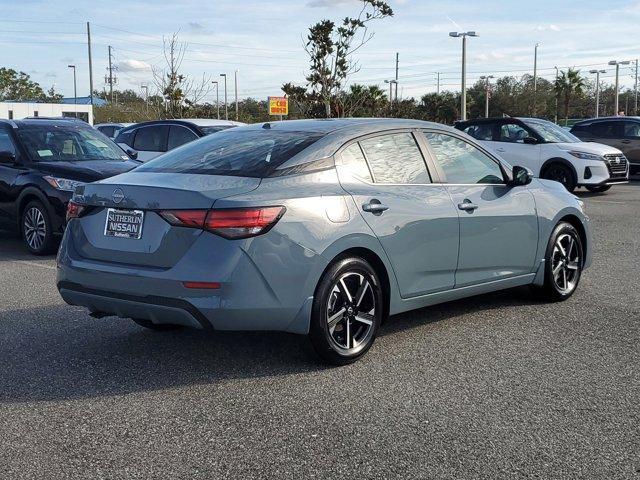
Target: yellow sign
278, 106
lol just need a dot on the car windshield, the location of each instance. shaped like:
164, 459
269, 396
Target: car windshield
207, 130
550, 132
67, 143
236, 152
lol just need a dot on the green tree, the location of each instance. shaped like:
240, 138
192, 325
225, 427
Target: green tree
16, 85
568, 85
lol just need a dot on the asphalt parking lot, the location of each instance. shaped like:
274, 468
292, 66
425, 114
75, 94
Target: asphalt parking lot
499, 386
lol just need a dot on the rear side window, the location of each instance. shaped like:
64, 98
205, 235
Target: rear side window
353, 159
632, 129
108, 130
237, 152
151, 139
395, 158
179, 136
483, 131
605, 129
462, 162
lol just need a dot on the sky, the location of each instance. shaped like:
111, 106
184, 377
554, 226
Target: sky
263, 40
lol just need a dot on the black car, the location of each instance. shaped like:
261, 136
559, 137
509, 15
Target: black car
41, 163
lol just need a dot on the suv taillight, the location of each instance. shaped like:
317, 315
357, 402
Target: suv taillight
232, 223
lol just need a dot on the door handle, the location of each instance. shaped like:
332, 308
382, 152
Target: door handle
501, 150
626, 141
374, 206
467, 206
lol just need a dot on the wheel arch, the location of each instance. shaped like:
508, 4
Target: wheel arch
576, 223
562, 161
27, 195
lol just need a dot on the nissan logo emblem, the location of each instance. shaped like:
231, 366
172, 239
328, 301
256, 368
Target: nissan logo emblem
117, 196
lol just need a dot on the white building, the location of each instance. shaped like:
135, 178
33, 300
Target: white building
19, 110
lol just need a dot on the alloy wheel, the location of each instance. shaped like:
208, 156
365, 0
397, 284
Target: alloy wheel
35, 228
566, 262
351, 312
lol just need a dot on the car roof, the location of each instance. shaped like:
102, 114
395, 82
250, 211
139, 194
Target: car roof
617, 118
329, 125
209, 122
44, 121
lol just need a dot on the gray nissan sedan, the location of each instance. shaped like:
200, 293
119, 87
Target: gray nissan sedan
317, 227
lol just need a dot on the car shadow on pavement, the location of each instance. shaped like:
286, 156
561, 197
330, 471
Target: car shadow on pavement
12, 249
60, 353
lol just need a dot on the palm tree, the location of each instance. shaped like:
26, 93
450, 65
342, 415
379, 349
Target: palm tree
569, 84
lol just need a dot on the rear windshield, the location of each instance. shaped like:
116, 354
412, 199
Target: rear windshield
67, 143
237, 152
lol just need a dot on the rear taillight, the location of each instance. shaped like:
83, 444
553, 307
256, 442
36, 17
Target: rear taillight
230, 223
74, 210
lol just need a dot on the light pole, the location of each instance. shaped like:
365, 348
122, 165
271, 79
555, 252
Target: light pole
463, 101
555, 87
146, 96
535, 77
75, 89
235, 84
597, 72
617, 65
486, 94
226, 107
391, 83
215, 82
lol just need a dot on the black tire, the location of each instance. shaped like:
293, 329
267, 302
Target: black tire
156, 327
351, 335
559, 172
597, 188
573, 262
36, 229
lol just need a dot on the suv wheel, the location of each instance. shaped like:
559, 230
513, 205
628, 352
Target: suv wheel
563, 263
36, 229
347, 311
560, 173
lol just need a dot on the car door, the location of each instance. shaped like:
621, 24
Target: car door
509, 144
498, 222
630, 143
8, 175
413, 218
151, 141
608, 132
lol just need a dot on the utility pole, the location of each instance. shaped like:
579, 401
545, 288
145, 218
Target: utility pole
235, 82
110, 76
617, 65
556, 95
438, 84
90, 65
535, 78
75, 90
635, 88
597, 72
397, 65
146, 97
463, 96
487, 91
226, 106
217, 99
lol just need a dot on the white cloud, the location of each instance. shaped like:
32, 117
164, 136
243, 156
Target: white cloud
328, 3
544, 28
133, 66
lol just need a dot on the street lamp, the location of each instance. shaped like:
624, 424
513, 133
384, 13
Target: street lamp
597, 72
617, 65
391, 83
226, 107
463, 101
75, 89
215, 82
146, 96
486, 94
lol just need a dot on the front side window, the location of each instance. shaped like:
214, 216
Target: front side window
513, 133
463, 163
353, 159
66, 143
236, 152
151, 139
483, 131
395, 158
632, 129
179, 136
6, 142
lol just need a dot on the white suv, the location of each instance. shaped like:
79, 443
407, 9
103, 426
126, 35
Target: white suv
550, 151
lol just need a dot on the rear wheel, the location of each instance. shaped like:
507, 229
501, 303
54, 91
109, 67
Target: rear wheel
560, 173
36, 229
347, 311
158, 327
564, 259
597, 188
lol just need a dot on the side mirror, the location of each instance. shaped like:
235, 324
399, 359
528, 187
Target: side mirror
521, 176
7, 158
133, 154
530, 140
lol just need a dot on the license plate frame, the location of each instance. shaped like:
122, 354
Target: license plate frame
129, 227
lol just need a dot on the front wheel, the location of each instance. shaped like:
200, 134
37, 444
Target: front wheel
347, 311
560, 173
564, 260
37, 231
597, 188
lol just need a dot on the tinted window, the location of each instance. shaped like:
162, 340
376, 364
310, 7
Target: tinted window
353, 159
179, 136
483, 131
151, 139
60, 143
462, 162
214, 129
395, 158
239, 152
125, 137
513, 133
108, 131
604, 129
632, 129
550, 132
6, 143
